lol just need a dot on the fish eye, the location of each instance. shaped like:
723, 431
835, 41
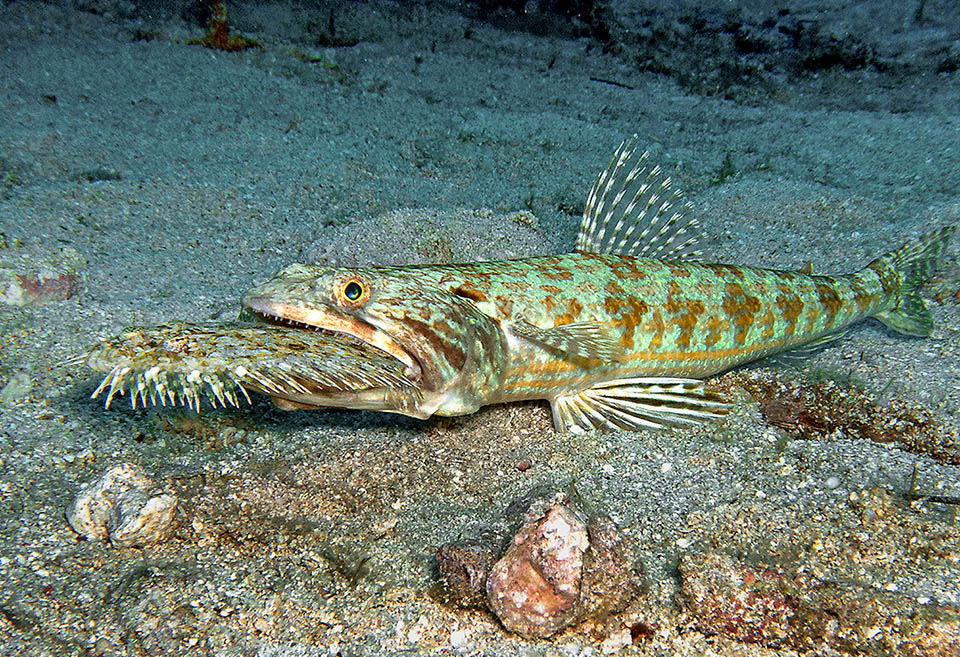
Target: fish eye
352, 291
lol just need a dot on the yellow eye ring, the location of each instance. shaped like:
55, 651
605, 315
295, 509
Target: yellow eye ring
352, 292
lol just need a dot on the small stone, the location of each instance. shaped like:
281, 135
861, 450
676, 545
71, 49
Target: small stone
33, 275
463, 567
460, 640
17, 387
535, 586
124, 507
140, 519
616, 642
729, 597
789, 609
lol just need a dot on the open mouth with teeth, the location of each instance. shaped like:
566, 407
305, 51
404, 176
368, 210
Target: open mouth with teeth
330, 319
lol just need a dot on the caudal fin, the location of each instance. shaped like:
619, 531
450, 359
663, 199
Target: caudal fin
916, 261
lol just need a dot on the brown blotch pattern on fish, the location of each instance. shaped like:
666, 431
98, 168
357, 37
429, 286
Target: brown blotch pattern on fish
656, 327
785, 276
677, 269
790, 306
574, 308
736, 271
861, 294
470, 292
715, 329
830, 301
626, 270
504, 306
813, 313
614, 288
673, 304
889, 278
714, 268
769, 323
687, 322
556, 274
685, 311
627, 313
587, 290
741, 308
517, 286
438, 335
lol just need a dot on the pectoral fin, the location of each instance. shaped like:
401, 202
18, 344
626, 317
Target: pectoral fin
640, 403
586, 340
797, 356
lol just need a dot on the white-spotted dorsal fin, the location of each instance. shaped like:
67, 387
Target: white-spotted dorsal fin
631, 210
638, 403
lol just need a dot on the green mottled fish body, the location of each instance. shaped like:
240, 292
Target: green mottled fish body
617, 334
682, 319
556, 327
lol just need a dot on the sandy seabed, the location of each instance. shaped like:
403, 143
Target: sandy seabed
145, 180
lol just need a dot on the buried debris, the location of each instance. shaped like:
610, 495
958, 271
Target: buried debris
780, 608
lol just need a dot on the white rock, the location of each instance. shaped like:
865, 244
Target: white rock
124, 506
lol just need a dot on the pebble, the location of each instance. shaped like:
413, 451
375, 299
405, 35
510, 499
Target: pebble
564, 565
535, 586
17, 387
124, 506
463, 567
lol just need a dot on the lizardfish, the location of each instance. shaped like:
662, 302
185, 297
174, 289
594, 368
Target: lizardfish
617, 334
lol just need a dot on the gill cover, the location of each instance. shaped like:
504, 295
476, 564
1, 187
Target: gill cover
461, 352
454, 352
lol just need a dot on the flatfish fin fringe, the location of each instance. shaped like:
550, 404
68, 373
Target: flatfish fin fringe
916, 261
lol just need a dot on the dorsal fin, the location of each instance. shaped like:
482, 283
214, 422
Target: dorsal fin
631, 210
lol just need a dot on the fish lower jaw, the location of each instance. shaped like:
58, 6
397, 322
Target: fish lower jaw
446, 403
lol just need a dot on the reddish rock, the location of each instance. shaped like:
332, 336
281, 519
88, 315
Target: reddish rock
29, 276
562, 567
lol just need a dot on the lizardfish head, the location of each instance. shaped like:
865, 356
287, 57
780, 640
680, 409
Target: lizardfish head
451, 350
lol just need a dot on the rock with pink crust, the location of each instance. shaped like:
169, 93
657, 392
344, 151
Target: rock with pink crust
563, 566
